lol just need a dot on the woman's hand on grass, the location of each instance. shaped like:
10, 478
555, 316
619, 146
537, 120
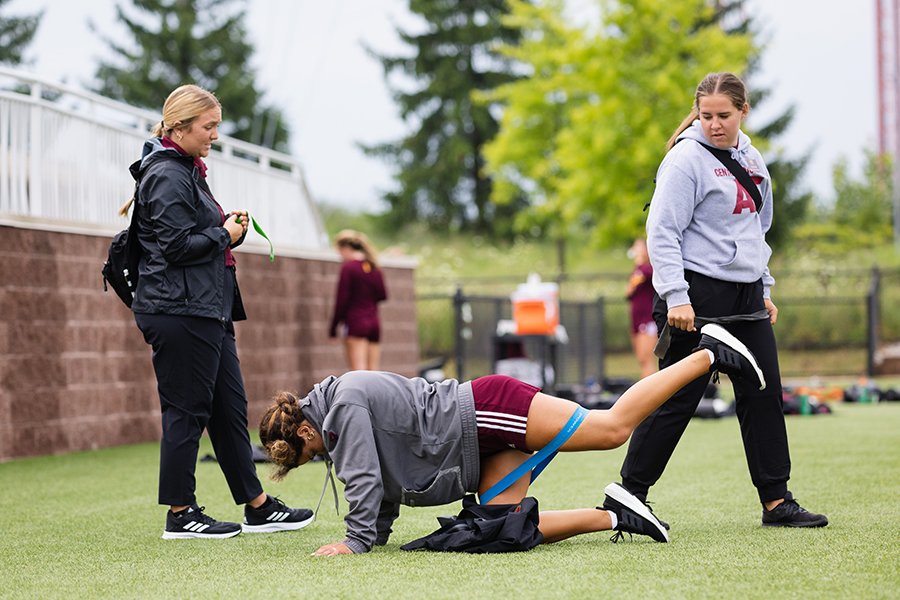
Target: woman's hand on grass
333, 549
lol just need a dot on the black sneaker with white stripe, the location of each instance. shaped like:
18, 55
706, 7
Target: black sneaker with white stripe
634, 516
731, 356
193, 523
275, 516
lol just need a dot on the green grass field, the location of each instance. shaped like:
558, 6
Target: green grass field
85, 526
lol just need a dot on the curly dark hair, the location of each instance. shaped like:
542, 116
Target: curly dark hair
278, 433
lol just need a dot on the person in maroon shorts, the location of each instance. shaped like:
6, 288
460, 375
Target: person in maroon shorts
360, 289
640, 294
396, 440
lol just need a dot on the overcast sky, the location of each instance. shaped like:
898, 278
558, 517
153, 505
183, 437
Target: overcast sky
311, 61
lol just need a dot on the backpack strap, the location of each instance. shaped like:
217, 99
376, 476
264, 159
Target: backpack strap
539, 460
133, 242
739, 172
735, 168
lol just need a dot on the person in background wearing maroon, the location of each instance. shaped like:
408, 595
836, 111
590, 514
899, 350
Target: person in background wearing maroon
360, 289
639, 292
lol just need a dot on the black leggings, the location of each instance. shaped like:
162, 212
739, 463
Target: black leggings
759, 412
200, 387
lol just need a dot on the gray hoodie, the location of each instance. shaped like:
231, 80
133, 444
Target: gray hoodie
701, 219
394, 440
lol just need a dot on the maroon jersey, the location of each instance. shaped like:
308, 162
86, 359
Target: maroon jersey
360, 289
641, 296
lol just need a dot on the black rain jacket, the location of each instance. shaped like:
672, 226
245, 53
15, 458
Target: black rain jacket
182, 267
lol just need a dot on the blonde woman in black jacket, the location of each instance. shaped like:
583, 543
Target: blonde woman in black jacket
185, 304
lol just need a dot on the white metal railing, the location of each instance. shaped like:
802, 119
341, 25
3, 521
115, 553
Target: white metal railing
64, 156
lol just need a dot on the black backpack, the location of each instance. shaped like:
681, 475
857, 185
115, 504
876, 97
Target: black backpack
481, 528
120, 271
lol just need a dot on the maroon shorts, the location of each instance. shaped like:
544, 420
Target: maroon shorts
368, 328
501, 412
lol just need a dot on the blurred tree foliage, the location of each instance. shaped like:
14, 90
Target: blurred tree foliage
16, 34
439, 165
865, 206
192, 41
613, 95
583, 134
862, 213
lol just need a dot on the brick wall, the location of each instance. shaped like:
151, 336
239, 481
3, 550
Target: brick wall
75, 373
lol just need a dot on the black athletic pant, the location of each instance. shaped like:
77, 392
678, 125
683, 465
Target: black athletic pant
200, 387
759, 412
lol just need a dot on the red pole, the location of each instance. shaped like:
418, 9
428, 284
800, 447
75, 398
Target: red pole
879, 62
895, 34
895, 104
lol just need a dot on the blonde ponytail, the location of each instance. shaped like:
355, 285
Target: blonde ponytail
159, 129
692, 116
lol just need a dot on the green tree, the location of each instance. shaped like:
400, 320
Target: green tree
570, 83
792, 201
608, 98
438, 166
861, 215
192, 41
16, 34
865, 205
523, 156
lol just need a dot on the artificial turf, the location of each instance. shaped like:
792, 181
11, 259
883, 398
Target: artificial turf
85, 525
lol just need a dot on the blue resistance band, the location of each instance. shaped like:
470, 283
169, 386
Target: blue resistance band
540, 460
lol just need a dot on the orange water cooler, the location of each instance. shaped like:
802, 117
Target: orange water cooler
535, 307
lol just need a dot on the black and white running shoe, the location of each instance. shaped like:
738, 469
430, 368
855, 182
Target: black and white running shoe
732, 357
275, 516
634, 516
193, 523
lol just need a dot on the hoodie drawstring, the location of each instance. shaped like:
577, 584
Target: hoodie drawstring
329, 476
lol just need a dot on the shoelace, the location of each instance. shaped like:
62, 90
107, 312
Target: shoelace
278, 504
198, 515
618, 535
728, 359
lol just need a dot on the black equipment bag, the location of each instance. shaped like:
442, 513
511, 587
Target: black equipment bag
481, 528
120, 270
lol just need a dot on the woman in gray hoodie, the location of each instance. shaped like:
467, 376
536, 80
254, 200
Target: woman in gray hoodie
395, 440
707, 239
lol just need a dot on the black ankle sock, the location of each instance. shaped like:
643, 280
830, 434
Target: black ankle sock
267, 502
180, 512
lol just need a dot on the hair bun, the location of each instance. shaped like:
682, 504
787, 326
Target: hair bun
282, 453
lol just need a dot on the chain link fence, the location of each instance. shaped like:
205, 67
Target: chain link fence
831, 322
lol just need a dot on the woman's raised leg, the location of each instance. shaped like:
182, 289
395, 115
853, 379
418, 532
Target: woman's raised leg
606, 429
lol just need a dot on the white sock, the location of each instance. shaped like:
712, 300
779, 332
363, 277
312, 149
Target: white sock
712, 357
613, 518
